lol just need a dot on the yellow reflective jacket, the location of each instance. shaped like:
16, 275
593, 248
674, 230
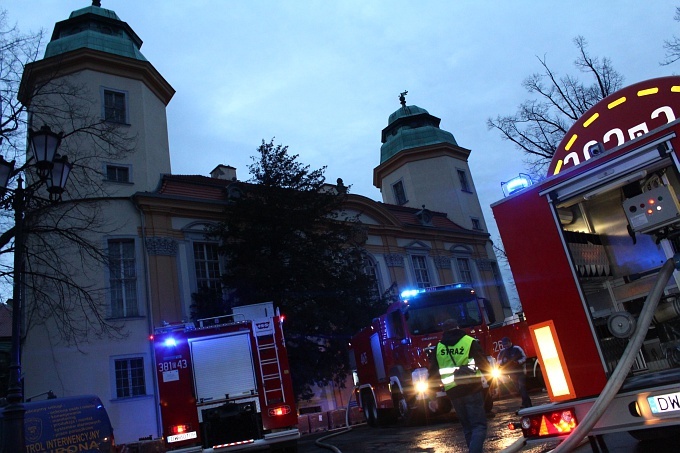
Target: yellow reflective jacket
451, 358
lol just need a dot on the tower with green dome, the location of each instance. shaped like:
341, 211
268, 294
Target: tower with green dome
96, 86
423, 165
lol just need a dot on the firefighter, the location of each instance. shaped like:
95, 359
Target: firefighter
460, 364
511, 361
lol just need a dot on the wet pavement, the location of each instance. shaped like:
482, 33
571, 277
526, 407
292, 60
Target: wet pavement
444, 435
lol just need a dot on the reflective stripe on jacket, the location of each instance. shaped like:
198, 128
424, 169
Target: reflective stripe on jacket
451, 358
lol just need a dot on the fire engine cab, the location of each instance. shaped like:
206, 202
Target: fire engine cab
224, 383
588, 246
392, 355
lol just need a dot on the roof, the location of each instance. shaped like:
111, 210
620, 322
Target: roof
203, 189
412, 127
193, 186
412, 216
95, 28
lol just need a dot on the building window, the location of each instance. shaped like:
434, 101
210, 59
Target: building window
420, 270
464, 270
115, 106
123, 278
464, 183
117, 173
207, 264
476, 224
399, 193
130, 377
371, 269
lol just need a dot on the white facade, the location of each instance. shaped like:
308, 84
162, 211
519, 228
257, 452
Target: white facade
125, 92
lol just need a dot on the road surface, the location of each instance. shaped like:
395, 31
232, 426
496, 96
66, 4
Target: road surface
445, 435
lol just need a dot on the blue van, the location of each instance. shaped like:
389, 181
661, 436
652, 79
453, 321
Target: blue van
75, 423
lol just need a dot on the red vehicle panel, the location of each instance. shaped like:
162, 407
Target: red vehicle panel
392, 355
225, 382
586, 247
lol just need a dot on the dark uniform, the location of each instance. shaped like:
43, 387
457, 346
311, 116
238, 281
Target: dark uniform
511, 360
458, 352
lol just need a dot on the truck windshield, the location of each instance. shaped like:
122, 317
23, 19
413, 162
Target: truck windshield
429, 310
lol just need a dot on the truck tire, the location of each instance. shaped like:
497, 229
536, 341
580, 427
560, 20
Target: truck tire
370, 409
401, 405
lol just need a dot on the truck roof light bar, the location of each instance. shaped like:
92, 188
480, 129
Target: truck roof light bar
407, 294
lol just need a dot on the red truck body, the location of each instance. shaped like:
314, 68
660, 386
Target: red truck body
224, 383
392, 355
585, 246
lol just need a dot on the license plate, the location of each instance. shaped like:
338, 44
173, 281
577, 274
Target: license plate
660, 404
183, 436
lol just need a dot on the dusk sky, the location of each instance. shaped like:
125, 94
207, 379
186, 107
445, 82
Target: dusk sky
323, 76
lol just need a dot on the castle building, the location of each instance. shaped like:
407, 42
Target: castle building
428, 230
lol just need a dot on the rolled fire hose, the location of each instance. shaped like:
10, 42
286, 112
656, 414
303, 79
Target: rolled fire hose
616, 380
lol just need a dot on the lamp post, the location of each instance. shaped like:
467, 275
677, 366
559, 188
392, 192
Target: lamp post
53, 171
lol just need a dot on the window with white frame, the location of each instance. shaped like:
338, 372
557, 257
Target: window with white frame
129, 377
464, 183
118, 173
207, 265
464, 270
419, 263
399, 193
123, 278
114, 106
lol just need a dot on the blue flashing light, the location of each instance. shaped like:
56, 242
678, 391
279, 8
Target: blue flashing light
410, 293
170, 342
407, 294
516, 184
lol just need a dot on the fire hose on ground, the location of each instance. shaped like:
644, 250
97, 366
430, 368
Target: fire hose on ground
320, 441
618, 376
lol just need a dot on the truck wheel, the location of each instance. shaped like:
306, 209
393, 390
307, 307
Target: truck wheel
403, 411
370, 410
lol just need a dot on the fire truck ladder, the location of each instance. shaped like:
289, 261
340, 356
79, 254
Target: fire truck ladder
270, 369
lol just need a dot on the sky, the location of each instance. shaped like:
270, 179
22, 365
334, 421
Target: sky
322, 77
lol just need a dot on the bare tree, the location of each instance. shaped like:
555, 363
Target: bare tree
672, 46
556, 103
62, 240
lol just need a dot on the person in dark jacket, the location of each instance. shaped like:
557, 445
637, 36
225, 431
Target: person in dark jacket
511, 360
460, 365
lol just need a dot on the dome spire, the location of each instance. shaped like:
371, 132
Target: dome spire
96, 3
402, 98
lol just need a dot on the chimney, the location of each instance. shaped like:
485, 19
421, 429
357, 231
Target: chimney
226, 172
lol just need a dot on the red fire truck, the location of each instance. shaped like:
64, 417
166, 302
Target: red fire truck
589, 248
392, 355
224, 383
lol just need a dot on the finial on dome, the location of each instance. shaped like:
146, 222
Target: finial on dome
96, 3
402, 98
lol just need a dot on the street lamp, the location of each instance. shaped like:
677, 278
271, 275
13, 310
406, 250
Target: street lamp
53, 171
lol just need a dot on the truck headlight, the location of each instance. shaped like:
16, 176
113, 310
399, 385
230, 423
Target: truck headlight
419, 377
